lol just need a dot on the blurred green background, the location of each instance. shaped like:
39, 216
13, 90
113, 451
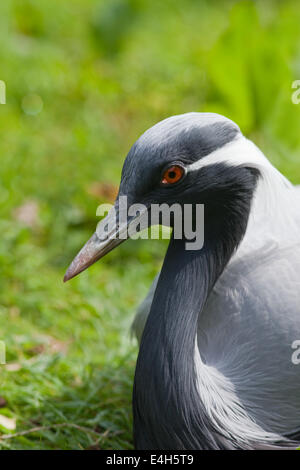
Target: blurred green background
84, 79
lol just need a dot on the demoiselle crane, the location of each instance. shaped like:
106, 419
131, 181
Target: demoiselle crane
217, 330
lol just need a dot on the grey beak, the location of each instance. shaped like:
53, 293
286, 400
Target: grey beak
92, 251
109, 234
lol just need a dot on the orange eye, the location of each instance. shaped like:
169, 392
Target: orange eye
172, 174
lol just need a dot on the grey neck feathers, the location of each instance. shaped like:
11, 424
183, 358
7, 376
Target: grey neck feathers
166, 404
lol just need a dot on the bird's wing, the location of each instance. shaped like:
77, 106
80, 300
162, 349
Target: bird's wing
248, 332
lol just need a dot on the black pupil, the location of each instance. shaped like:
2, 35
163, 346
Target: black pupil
172, 175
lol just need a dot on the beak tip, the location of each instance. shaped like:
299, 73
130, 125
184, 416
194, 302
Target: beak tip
92, 251
67, 276
70, 273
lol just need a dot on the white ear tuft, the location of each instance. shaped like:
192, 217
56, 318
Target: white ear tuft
274, 216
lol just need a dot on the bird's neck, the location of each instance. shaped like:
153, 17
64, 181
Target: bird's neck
166, 402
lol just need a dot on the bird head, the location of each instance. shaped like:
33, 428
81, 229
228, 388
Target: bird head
184, 159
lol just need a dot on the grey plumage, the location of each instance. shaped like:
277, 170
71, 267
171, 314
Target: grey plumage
245, 345
214, 369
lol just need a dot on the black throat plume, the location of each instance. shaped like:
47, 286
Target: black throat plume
167, 409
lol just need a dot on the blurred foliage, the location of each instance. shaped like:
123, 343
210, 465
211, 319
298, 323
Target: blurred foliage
84, 78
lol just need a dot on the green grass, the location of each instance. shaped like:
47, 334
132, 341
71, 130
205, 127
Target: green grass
84, 79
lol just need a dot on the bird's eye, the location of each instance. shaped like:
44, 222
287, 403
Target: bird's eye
172, 174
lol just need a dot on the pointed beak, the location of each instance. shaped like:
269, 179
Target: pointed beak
92, 251
109, 234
